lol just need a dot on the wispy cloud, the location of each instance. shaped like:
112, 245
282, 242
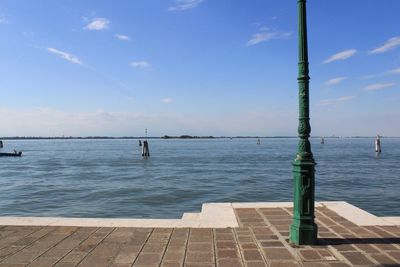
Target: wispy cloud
181, 5
122, 37
341, 55
332, 101
335, 81
265, 34
64, 55
98, 24
383, 74
140, 64
166, 100
378, 86
3, 19
390, 44
395, 71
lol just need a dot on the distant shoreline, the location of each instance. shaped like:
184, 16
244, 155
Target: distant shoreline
183, 137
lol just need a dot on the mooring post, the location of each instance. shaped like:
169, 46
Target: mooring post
378, 144
303, 230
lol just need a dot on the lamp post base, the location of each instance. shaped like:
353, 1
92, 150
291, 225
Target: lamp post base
303, 230
303, 233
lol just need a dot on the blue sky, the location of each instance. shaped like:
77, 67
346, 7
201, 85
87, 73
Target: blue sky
201, 67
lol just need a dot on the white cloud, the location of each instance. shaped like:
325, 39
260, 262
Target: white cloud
341, 55
383, 74
181, 5
395, 71
140, 64
98, 24
335, 81
166, 100
65, 55
54, 122
264, 35
378, 86
390, 44
332, 101
122, 37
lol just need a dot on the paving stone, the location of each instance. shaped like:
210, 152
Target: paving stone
102, 255
272, 244
64, 264
147, 259
12, 265
284, 264
171, 264
199, 265
326, 221
345, 247
174, 256
255, 264
261, 237
383, 259
338, 264
314, 264
154, 248
44, 262
245, 246
262, 231
387, 247
127, 254
227, 254
206, 247
228, 237
73, 257
395, 255
274, 211
310, 255
121, 265
229, 263
252, 255
226, 244
357, 258
254, 224
4, 252
245, 238
367, 248
278, 254
339, 229
199, 257
224, 230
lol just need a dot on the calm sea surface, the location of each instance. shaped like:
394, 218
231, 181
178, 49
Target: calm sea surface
108, 178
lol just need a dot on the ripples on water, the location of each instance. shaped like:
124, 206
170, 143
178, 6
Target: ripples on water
108, 178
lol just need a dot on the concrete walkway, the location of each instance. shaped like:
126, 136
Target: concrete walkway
260, 239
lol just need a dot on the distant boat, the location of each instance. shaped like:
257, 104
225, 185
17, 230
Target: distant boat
15, 154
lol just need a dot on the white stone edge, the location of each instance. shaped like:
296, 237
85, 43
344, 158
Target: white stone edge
212, 215
359, 216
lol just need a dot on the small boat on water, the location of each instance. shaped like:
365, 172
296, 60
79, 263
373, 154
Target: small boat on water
14, 154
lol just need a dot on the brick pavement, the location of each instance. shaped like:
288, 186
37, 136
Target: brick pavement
261, 240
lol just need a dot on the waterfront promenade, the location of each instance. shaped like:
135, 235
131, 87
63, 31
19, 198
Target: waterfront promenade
244, 234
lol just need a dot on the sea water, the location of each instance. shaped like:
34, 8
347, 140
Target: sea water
109, 178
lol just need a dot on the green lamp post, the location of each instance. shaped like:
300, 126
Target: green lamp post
303, 230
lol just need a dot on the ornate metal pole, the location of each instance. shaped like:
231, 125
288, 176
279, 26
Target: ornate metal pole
303, 231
